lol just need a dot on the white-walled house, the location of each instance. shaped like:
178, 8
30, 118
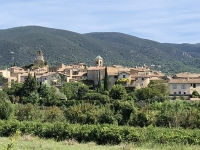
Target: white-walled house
185, 86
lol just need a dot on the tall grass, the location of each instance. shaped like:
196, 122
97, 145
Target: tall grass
28, 142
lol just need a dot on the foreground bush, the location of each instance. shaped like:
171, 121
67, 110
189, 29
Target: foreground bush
102, 134
6, 109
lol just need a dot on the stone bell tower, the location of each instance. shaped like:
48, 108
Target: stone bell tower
99, 61
39, 59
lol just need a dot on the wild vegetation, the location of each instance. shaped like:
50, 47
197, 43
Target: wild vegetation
105, 116
29, 142
20, 45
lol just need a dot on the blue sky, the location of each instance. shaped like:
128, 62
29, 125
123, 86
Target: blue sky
167, 21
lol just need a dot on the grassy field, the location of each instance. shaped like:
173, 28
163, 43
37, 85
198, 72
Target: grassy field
28, 142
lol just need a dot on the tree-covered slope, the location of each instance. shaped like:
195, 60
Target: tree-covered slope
20, 44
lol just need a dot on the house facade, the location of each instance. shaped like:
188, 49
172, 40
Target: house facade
184, 84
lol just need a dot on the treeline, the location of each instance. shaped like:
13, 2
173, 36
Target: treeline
83, 104
102, 134
43, 94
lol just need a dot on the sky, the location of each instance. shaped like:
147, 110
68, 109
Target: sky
165, 21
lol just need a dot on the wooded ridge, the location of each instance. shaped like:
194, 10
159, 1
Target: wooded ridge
21, 43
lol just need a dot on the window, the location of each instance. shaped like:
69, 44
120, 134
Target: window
174, 86
142, 78
136, 78
124, 76
184, 92
194, 85
174, 92
182, 86
115, 76
179, 92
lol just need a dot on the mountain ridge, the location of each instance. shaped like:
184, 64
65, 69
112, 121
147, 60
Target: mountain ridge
20, 45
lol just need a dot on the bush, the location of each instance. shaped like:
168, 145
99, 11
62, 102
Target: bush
28, 112
95, 96
102, 134
53, 114
195, 94
6, 109
118, 92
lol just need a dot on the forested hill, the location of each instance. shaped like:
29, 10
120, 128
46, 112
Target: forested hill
20, 45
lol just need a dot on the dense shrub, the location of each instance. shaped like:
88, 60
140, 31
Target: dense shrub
102, 134
28, 112
118, 92
6, 109
96, 96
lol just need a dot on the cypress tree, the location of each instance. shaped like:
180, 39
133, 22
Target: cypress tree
99, 82
106, 80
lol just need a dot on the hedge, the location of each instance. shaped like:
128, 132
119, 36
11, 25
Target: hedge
102, 134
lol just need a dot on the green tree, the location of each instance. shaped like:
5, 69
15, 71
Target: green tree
3, 96
46, 93
28, 112
67, 91
73, 87
106, 80
82, 91
29, 86
53, 114
33, 98
3, 80
14, 91
99, 88
6, 108
118, 92
144, 93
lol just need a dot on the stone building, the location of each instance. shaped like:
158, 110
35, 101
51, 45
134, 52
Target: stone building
39, 61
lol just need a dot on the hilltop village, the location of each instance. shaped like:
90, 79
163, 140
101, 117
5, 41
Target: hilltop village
182, 84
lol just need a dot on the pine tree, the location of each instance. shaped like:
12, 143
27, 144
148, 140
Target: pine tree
106, 80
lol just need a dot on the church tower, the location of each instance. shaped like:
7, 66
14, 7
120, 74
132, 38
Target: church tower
99, 61
39, 59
